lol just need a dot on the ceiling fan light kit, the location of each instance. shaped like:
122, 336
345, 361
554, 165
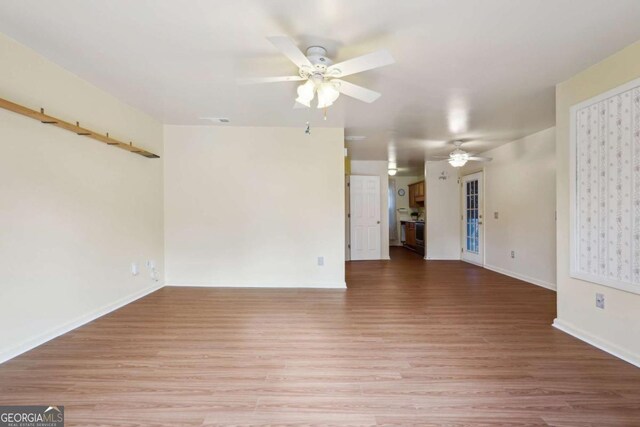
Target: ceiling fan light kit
306, 92
458, 158
328, 93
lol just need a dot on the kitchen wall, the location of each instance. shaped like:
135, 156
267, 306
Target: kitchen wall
380, 168
402, 202
519, 185
443, 211
262, 205
75, 213
616, 328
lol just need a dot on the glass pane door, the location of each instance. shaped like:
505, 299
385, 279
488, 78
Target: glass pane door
472, 216
472, 245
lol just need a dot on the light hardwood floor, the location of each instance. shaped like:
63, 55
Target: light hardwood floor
410, 343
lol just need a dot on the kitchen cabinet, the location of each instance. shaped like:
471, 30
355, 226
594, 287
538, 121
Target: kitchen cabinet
410, 233
417, 194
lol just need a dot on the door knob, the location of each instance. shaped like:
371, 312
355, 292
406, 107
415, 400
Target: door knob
378, 222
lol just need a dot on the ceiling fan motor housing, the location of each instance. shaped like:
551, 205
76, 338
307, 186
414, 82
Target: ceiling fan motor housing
317, 55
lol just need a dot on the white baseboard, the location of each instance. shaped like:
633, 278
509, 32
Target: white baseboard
328, 285
542, 283
603, 345
436, 258
31, 343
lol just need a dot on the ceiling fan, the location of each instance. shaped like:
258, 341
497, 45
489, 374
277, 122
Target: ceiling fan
322, 76
458, 157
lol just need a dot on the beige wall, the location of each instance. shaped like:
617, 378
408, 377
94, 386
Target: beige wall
74, 213
254, 207
520, 184
617, 327
381, 169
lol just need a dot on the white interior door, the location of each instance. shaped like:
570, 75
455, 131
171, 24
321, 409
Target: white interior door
472, 221
365, 217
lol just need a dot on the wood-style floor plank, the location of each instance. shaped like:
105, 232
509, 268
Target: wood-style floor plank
410, 343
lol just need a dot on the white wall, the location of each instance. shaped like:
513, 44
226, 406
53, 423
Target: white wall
519, 184
443, 212
254, 206
617, 327
381, 169
74, 213
402, 182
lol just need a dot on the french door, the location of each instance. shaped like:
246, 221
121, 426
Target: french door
365, 217
472, 222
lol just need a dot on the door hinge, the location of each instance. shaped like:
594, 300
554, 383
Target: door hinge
461, 250
349, 245
348, 215
348, 184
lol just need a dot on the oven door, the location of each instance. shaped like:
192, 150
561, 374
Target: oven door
420, 233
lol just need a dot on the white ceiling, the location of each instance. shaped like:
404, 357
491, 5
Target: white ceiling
484, 70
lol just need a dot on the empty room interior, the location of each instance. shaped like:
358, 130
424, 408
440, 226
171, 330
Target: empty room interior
319, 213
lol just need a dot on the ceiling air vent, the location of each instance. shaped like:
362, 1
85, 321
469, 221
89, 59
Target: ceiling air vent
355, 137
216, 119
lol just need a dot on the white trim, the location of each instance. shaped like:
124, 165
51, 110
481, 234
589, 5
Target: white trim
538, 282
603, 345
327, 285
76, 323
436, 258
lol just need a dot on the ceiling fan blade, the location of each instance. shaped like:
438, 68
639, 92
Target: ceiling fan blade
289, 48
480, 159
297, 105
358, 92
257, 80
439, 157
372, 60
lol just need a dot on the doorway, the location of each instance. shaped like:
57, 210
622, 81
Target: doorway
472, 222
364, 218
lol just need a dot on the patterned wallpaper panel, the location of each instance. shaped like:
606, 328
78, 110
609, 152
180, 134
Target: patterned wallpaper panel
606, 241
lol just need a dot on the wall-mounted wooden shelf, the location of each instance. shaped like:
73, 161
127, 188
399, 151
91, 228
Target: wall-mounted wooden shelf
75, 128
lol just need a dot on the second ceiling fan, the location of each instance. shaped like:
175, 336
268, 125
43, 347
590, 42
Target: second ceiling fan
459, 157
322, 77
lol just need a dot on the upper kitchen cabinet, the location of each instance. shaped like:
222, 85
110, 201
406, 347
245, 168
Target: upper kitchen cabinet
417, 194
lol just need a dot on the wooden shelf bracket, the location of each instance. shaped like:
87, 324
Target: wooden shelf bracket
75, 128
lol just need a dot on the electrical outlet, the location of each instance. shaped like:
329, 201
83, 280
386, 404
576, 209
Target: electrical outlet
513, 254
600, 301
134, 268
321, 260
